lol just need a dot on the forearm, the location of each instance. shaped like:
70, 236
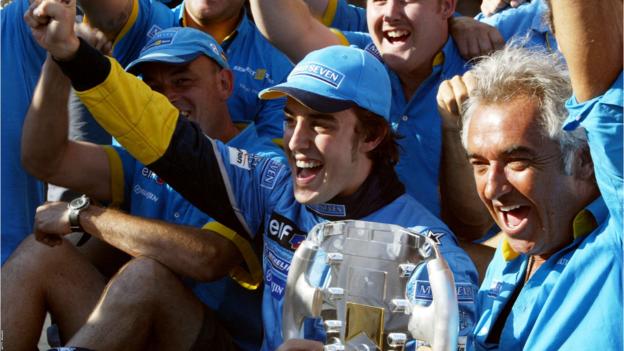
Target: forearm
589, 35
44, 135
291, 27
200, 254
462, 209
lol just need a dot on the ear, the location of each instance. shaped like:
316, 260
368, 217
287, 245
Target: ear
370, 142
447, 7
225, 81
583, 165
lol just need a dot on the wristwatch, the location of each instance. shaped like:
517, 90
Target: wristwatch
76, 206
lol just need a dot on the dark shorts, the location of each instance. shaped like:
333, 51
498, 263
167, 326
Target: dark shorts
213, 336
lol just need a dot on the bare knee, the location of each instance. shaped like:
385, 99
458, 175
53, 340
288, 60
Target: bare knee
32, 257
141, 280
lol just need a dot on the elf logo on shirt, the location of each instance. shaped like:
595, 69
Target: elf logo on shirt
285, 232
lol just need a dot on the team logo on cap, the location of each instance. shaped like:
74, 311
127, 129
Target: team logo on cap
320, 72
160, 38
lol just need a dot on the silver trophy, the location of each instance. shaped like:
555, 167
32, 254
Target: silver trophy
354, 275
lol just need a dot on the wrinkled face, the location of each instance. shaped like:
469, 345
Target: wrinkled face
520, 178
326, 157
408, 33
205, 11
198, 89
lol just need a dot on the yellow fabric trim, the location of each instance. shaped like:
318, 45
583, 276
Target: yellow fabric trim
341, 37
583, 224
330, 12
251, 279
141, 120
278, 141
438, 59
131, 21
508, 253
116, 175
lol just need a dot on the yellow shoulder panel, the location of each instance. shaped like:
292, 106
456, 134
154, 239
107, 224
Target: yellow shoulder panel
142, 120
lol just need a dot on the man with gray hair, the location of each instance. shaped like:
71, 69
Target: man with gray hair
555, 190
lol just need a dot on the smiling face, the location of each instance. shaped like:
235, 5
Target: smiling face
408, 33
325, 154
198, 89
520, 178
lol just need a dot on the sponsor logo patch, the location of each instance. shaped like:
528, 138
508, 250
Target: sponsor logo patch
240, 158
421, 291
145, 193
285, 232
145, 172
320, 72
334, 210
160, 38
372, 49
275, 284
269, 177
495, 289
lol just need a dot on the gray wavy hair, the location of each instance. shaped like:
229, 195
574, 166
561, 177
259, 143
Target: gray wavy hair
515, 71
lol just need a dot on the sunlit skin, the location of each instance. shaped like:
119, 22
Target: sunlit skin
326, 157
109, 16
520, 177
409, 33
215, 17
199, 89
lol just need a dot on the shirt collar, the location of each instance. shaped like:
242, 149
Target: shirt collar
585, 222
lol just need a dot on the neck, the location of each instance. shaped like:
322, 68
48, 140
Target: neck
223, 130
411, 81
218, 29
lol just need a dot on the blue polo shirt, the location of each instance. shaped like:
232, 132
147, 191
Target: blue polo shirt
418, 122
146, 19
22, 59
256, 65
236, 299
525, 20
574, 300
341, 15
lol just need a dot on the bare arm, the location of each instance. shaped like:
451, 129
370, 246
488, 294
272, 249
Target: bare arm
200, 254
317, 7
291, 27
48, 154
589, 35
462, 209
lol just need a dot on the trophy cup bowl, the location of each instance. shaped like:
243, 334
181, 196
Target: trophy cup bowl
354, 275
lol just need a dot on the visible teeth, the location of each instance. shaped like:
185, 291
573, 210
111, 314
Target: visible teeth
509, 208
307, 164
396, 33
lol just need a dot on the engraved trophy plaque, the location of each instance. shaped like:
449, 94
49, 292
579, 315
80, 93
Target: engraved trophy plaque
354, 276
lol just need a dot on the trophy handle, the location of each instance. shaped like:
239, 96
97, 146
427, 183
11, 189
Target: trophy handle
443, 311
301, 299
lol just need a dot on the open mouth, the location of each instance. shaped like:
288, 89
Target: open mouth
515, 217
396, 36
307, 170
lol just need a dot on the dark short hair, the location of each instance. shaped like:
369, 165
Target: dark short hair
371, 126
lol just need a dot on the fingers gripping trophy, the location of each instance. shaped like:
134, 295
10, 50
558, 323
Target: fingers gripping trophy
355, 276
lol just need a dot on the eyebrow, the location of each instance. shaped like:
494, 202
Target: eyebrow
318, 115
510, 151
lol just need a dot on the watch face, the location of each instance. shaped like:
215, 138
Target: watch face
79, 202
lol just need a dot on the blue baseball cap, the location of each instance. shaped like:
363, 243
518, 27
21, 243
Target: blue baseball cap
179, 45
336, 78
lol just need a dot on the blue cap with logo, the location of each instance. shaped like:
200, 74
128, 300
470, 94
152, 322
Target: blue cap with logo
336, 78
179, 45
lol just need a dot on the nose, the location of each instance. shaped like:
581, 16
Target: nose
496, 184
391, 10
299, 136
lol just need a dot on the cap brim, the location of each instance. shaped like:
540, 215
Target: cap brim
314, 101
164, 56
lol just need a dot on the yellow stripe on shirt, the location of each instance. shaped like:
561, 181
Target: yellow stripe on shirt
251, 279
116, 176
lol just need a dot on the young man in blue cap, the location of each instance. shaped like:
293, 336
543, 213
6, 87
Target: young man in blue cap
189, 68
338, 143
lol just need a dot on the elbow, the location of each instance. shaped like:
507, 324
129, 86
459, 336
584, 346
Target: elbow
35, 166
210, 264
